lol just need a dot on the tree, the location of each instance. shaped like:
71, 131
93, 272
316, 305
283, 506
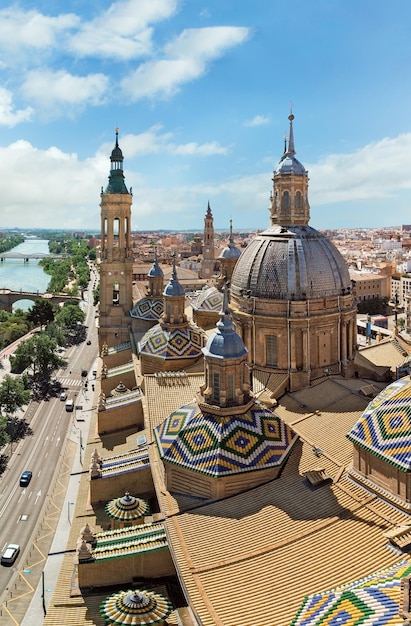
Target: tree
39, 354
41, 313
13, 395
69, 316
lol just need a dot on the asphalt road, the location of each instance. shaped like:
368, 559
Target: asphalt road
41, 452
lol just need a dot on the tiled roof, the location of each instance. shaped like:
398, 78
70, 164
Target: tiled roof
148, 309
119, 369
284, 539
384, 429
256, 439
175, 343
209, 300
130, 540
371, 601
128, 462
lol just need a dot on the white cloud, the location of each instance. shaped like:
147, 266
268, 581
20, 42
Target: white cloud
23, 32
52, 89
71, 185
8, 116
188, 56
258, 120
153, 141
378, 170
122, 31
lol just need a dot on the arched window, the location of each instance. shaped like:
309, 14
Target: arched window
286, 200
298, 200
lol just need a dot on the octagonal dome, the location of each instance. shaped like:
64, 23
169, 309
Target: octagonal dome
290, 263
290, 165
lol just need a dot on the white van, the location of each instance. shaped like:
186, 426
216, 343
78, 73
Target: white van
69, 406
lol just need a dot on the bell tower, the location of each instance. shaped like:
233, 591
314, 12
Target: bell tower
208, 261
116, 262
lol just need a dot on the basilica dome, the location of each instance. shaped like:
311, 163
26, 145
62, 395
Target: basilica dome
291, 296
290, 263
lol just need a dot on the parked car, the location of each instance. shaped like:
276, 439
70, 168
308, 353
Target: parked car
10, 554
25, 478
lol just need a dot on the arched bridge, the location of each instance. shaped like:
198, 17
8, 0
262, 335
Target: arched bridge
9, 297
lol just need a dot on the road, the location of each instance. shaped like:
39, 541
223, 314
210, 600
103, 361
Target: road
51, 424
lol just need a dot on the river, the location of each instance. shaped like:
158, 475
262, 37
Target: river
17, 275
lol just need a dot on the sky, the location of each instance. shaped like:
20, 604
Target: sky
201, 91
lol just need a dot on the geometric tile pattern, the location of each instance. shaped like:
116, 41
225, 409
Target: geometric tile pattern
148, 309
209, 300
172, 343
371, 601
222, 446
384, 429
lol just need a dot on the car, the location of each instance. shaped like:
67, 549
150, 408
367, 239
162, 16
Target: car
84, 373
88, 342
63, 396
25, 478
10, 554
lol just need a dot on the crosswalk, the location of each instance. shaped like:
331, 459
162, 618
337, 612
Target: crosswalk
68, 382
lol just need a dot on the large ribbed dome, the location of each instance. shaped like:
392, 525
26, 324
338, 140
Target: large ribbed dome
290, 263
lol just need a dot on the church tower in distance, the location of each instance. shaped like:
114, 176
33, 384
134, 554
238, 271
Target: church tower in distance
208, 261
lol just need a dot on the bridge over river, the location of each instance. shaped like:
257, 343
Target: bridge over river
26, 257
8, 297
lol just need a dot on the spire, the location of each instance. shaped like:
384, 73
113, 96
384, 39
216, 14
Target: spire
291, 149
174, 288
209, 214
230, 239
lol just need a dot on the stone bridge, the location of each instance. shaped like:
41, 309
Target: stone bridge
9, 297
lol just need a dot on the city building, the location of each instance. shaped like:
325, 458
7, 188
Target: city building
245, 502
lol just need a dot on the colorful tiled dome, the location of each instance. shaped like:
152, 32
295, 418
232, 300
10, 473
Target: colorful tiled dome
150, 309
384, 429
128, 508
371, 601
256, 439
169, 343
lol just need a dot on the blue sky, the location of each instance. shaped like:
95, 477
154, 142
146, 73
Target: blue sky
201, 92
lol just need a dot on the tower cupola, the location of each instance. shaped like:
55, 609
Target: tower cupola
116, 183
289, 202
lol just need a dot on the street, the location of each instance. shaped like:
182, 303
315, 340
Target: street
22, 508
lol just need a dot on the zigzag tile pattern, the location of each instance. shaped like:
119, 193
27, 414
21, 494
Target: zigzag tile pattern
202, 442
210, 300
372, 601
385, 426
172, 343
148, 309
